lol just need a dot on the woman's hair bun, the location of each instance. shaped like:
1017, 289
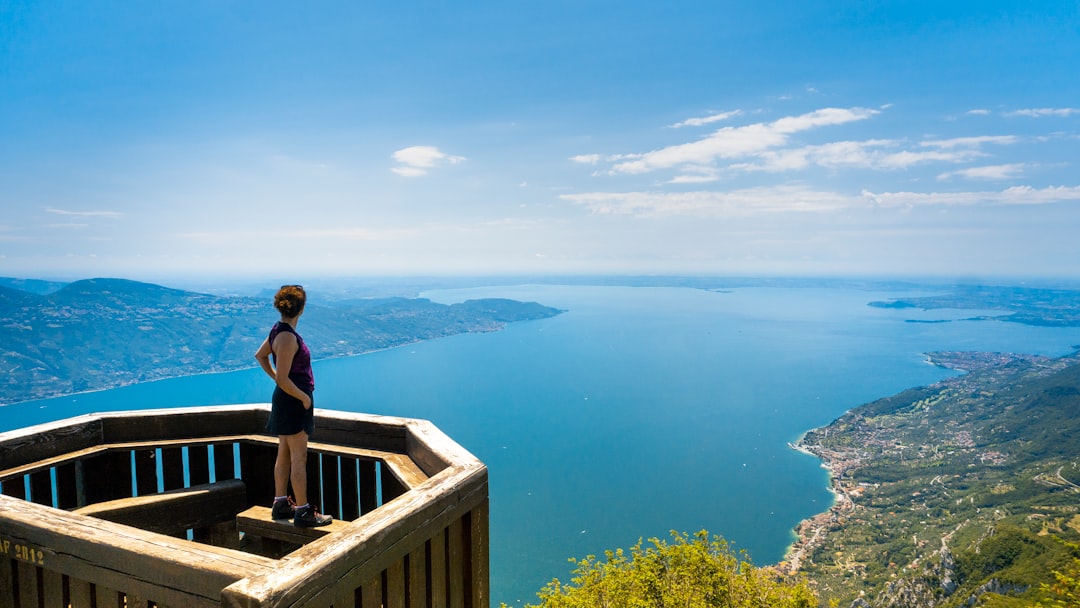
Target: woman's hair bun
290, 300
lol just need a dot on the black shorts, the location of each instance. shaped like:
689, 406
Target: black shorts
288, 416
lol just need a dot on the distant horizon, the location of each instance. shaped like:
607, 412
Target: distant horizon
435, 281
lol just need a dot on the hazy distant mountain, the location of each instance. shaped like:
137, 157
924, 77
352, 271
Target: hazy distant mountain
31, 285
101, 333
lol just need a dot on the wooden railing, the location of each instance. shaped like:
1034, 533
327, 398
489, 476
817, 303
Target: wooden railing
141, 508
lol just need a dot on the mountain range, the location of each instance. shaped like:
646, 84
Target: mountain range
102, 333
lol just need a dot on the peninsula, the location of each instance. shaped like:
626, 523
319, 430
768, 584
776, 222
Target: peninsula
103, 333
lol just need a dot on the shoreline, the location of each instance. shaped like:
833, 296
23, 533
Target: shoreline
811, 531
213, 372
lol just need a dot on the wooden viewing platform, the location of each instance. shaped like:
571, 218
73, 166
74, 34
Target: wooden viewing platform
170, 508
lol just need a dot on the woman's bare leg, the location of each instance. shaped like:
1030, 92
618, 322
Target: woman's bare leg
282, 467
297, 451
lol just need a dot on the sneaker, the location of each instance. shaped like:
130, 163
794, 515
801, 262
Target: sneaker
283, 509
309, 517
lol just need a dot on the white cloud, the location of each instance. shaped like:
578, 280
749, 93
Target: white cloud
409, 171
858, 154
1016, 195
695, 174
416, 160
345, 233
969, 142
67, 212
737, 142
735, 203
989, 172
705, 120
908, 158
799, 199
979, 112
764, 147
703, 178
1041, 112
587, 159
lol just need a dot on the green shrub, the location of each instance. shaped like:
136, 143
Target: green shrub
698, 571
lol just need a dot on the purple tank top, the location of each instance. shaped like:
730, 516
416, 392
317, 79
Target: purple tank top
300, 373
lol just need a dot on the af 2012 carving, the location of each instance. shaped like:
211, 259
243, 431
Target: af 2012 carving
23, 552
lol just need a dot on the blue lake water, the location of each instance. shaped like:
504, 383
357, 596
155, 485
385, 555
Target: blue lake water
638, 411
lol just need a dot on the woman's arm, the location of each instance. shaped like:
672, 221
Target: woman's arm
287, 346
263, 357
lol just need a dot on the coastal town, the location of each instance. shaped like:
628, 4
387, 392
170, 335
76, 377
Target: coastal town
914, 472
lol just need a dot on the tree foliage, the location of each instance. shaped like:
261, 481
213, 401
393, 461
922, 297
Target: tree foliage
689, 572
1065, 590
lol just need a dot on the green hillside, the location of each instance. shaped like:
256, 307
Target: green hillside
101, 333
962, 489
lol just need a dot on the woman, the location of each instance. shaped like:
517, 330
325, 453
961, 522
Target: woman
292, 416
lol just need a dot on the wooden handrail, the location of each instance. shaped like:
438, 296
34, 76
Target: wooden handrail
417, 534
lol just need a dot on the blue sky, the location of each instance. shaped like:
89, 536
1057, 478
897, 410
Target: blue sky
888, 138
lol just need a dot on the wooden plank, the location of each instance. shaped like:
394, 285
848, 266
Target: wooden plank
416, 577
395, 585
41, 441
7, 582
404, 470
224, 534
181, 423
455, 560
41, 490
257, 522
26, 578
391, 486
198, 465
433, 451
171, 571
370, 544
80, 593
437, 552
371, 594
479, 557
428, 447
106, 597
175, 510
346, 597
107, 476
384, 433
53, 584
